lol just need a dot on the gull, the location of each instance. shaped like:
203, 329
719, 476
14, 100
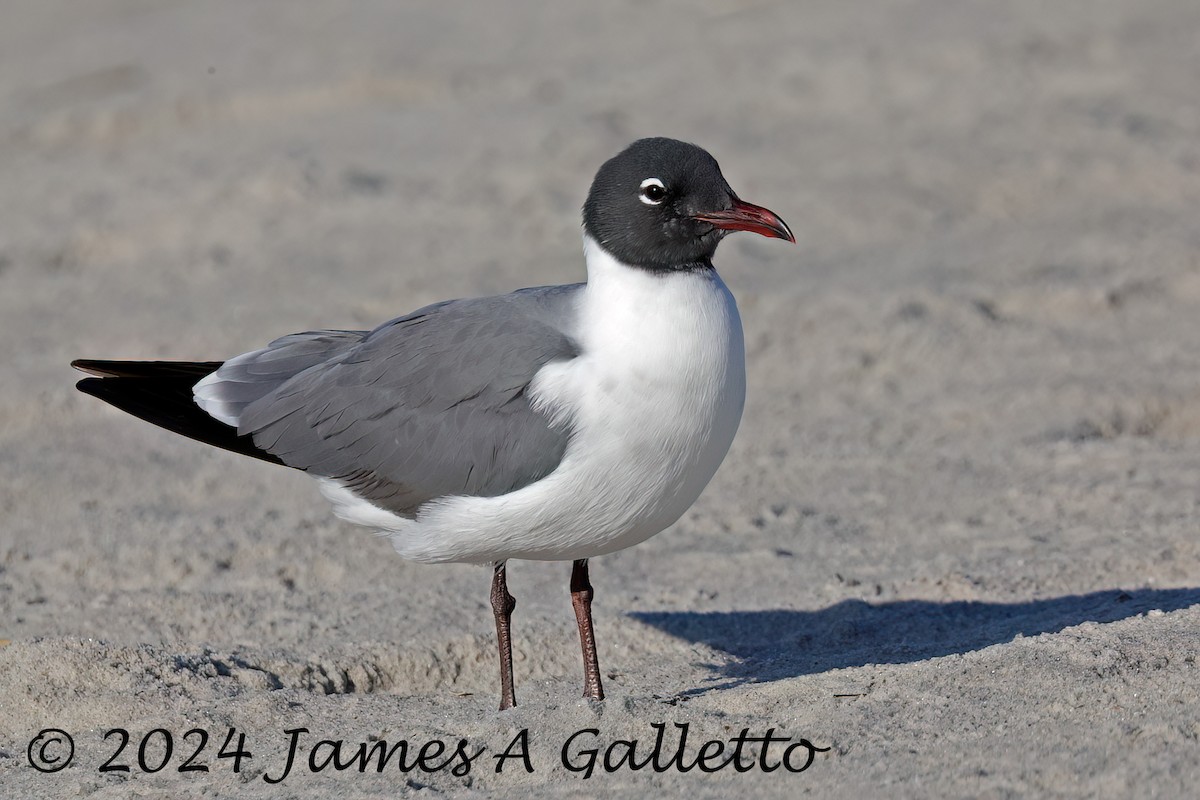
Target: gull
555, 423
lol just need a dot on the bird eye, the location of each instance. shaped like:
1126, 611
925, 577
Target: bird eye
652, 192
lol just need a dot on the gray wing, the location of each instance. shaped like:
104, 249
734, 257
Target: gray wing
245, 379
430, 404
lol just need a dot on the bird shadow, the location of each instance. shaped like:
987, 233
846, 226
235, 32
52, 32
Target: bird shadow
775, 644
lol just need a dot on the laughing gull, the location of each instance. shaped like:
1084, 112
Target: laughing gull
553, 423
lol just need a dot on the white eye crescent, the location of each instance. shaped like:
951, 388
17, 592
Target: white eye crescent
652, 192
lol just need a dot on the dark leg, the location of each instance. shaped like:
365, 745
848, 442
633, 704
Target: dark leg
581, 598
503, 604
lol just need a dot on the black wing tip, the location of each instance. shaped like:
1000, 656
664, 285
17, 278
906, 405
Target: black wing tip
90, 386
101, 368
161, 393
91, 366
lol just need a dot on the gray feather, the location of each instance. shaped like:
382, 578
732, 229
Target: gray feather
431, 404
249, 377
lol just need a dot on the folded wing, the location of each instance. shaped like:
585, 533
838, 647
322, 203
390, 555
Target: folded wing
431, 404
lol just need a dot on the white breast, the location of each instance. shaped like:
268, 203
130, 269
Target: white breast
654, 399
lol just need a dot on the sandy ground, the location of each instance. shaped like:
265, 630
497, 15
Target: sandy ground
955, 541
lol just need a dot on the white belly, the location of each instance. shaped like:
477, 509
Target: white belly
654, 400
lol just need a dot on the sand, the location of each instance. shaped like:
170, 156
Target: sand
955, 542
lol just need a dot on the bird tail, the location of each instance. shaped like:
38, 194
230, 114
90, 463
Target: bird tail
160, 392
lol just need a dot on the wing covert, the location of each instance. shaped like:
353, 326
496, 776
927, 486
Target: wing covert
431, 404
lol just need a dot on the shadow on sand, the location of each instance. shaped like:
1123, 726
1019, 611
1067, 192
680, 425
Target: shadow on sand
776, 644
